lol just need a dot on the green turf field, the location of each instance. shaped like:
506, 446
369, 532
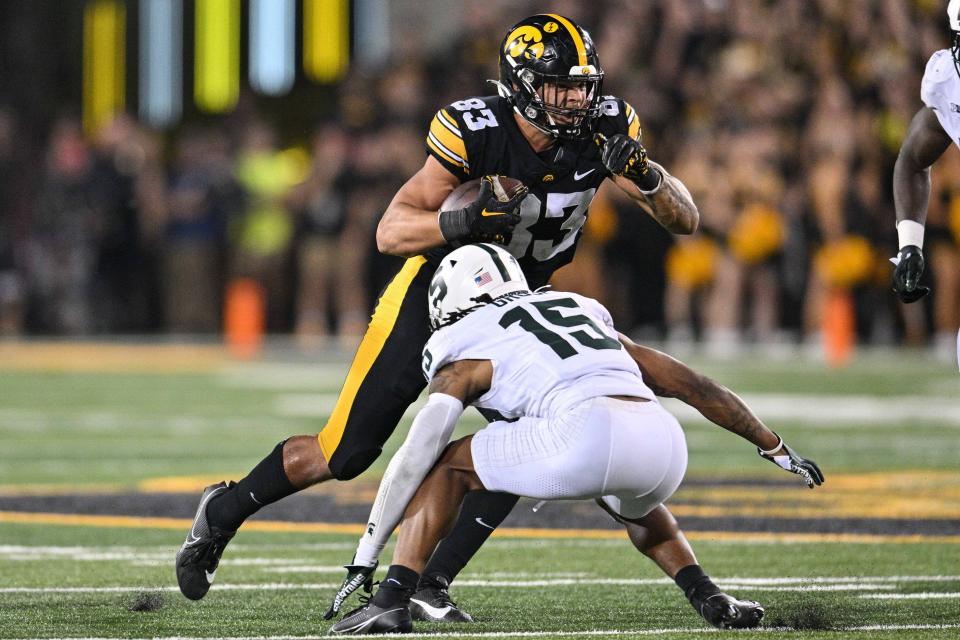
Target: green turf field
77, 582
885, 431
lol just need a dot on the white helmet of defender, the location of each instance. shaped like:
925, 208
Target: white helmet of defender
470, 277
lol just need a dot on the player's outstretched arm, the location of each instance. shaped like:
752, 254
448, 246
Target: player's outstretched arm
670, 378
925, 142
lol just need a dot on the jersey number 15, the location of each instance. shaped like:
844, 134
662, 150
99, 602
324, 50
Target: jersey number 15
558, 343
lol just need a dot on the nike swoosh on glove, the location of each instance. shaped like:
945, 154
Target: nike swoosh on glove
790, 461
489, 218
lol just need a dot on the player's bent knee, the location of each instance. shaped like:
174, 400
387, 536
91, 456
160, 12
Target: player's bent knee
303, 462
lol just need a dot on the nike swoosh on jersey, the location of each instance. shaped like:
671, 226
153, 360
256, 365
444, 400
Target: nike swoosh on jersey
483, 524
487, 214
211, 575
433, 612
579, 176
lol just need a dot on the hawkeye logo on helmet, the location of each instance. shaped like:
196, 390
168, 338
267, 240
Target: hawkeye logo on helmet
524, 41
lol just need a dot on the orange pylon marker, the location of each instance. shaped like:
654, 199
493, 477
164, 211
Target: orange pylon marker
244, 317
839, 327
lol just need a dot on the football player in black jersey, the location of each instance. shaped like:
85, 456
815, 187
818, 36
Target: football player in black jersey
551, 128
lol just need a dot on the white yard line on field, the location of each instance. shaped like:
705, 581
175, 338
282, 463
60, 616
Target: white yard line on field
338, 569
279, 376
103, 421
320, 405
30, 553
79, 552
552, 634
926, 595
818, 410
272, 565
904, 627
224, 587
828, 411
576, 576
760, 584
853, 586
839, 579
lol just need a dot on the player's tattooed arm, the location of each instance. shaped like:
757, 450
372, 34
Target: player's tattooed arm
671, 205
670, 378
465, 380
449, 380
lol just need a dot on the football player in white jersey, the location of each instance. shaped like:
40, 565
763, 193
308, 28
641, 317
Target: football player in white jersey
582, 422
931, 131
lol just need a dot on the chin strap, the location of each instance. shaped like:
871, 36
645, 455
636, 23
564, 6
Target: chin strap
503, 90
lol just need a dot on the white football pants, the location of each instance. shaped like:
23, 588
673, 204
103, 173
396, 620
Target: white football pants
633, 454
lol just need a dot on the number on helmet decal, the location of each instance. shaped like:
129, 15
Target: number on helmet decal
438, 290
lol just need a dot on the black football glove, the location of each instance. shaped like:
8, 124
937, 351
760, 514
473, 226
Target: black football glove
489, 218
790, 461
357, 576
624, 156
906, 277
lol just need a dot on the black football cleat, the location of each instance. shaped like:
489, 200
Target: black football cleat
432, 603
371, 619
199, 556
726, 612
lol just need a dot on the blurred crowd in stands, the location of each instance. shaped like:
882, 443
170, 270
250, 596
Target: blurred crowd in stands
782, 117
